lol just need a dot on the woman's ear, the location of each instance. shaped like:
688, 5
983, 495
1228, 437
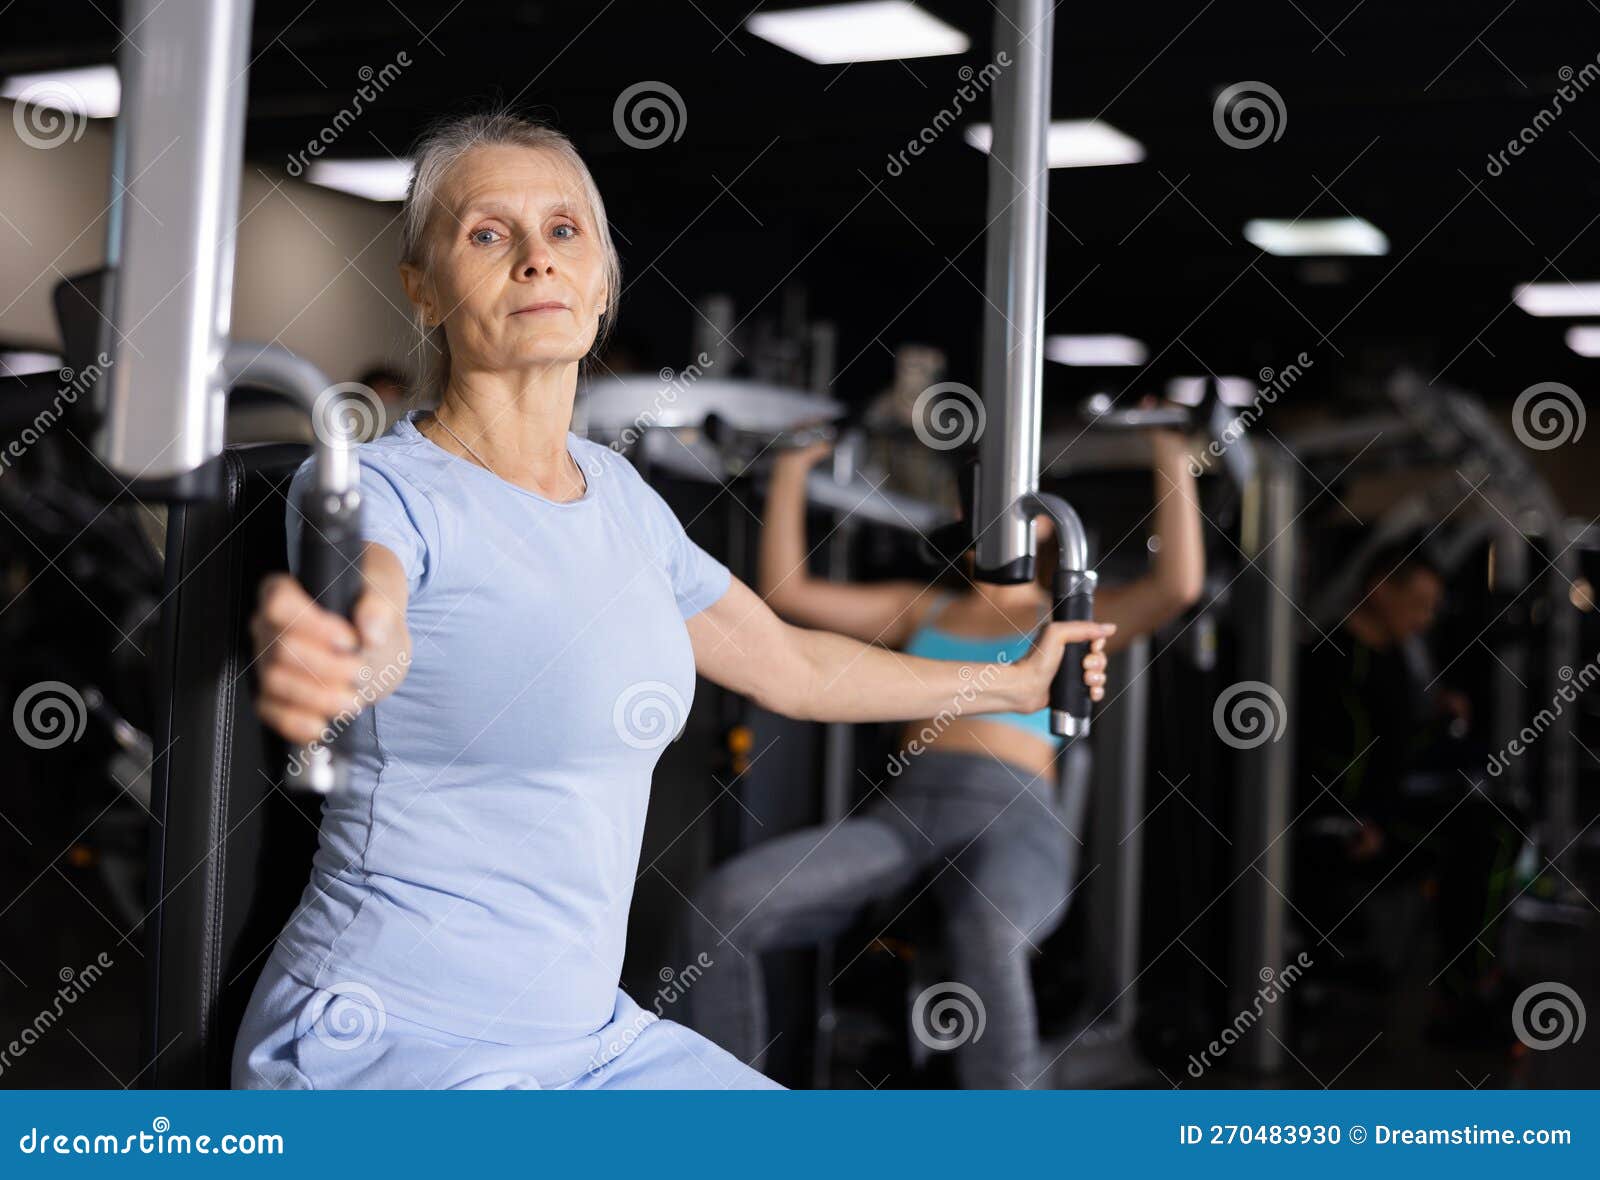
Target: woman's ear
416, 290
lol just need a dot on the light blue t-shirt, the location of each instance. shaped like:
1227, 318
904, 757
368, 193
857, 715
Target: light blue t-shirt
476, 873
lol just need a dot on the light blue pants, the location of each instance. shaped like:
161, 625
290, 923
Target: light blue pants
297, 1037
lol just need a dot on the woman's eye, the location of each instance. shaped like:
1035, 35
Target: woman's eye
477, 235
566, 226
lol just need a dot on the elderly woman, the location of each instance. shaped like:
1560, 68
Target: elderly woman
532, 622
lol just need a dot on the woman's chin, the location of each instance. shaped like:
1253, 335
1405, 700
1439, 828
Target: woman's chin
550, 348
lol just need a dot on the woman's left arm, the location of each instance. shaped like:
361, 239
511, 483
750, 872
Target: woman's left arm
1177, 571
819, 676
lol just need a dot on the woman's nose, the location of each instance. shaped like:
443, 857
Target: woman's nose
537, 258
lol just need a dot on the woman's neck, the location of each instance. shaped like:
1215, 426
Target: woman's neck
516, 426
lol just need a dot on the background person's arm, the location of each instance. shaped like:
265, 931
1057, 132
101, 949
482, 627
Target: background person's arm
873, 612
740, 644
1178, 568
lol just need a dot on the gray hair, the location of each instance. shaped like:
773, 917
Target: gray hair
442, 145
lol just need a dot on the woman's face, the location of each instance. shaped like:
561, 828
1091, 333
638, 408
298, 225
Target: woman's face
518, 273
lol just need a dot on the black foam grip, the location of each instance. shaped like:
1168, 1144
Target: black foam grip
1074, 602
330, 554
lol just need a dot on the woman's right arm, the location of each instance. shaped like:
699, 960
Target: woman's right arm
316, 668
873, 612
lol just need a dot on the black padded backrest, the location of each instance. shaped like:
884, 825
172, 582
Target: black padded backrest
232, 849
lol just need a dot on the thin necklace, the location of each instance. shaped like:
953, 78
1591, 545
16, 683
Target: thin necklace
445, 426
483, 462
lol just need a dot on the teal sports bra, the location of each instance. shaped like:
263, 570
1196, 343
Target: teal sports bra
934, 644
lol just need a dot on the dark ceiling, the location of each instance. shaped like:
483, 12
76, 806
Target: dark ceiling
779, 177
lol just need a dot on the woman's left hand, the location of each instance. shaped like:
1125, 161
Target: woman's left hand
1038, 668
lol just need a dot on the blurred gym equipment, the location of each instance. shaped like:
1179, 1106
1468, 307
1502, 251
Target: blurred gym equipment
175, 184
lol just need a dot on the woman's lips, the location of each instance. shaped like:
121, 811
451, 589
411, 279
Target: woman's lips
538, 307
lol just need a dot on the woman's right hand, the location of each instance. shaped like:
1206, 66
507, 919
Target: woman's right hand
803, 459
318, 670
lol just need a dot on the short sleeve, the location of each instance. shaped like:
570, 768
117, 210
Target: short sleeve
393, 514
698, 579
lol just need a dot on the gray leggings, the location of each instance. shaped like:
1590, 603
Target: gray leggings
1001, 852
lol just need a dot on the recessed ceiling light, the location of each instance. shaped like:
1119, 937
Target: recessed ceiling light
93, 91
1558, 298
377, 180
1187, 391
836, 33
1094, 350
1074, 143
19, 363
1584, 340
1333, 235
